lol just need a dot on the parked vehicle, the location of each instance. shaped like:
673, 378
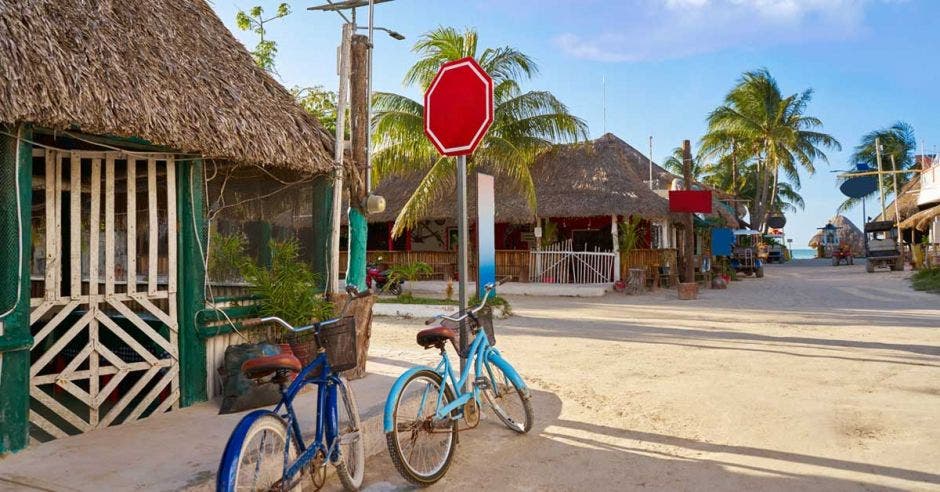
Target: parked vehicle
377, 278
843, 255
744, 258
426, 406
267, 451
882, 248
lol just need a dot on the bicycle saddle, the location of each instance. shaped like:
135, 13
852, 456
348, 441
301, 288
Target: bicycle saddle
260, 367
436, 337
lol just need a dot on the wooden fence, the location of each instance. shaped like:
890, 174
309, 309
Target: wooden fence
648, 259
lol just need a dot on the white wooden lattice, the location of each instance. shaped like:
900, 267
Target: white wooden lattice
96, 359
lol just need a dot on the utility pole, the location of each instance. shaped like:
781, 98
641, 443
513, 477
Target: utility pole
688, 272
338, 154
359, 116
881, 188
897, 207
651, 162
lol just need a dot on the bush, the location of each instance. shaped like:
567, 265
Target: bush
409, 272
927, 280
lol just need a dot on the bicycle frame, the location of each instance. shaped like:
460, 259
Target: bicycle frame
481, 354
327, 424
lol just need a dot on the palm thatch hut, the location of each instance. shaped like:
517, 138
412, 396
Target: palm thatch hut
110, 112
846, 233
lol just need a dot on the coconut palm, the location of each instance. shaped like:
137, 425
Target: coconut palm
897, 141
524, 123
772, 130
673, 164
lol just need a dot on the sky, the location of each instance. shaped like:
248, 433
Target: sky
667, 63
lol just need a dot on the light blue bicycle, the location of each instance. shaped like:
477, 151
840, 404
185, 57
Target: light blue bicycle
426, 405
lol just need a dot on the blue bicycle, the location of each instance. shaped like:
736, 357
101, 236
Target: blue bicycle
266, 451
426, 405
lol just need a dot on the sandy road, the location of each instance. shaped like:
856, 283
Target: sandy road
814, 377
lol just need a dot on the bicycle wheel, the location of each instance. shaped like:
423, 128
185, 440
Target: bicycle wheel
509, 402
259, 464
420, 448
350, 462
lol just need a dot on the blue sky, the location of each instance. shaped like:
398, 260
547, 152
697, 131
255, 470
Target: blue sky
667, 63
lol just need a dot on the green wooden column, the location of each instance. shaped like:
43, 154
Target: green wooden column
191, 295
356, 264
321, 224
14, 287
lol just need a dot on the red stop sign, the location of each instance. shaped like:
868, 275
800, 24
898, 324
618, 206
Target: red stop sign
458, 107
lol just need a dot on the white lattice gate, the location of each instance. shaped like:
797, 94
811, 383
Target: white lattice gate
104, 290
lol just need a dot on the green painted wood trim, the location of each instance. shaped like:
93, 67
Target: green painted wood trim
249, 297
321, 224
14, 368
190, 297
207, 315
356, 264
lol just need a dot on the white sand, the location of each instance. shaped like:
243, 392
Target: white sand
815, 377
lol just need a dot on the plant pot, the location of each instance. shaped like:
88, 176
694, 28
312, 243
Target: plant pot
688, 291
362, 309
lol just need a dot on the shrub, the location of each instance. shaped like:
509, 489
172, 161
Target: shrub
408, 272
927, 280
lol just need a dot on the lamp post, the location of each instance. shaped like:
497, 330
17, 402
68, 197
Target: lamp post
357, 258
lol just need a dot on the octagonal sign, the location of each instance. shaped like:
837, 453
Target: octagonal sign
458, 107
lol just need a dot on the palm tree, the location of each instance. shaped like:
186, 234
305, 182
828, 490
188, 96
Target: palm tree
673, 164
524, 123
897, 141
772, 130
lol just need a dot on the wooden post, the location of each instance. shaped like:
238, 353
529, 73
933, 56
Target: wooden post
15, 338
359, 116
688, 271
615, 236
192, 240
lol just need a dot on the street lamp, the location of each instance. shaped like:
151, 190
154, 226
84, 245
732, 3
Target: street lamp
394, 34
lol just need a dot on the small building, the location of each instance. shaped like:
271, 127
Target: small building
585, 192
114, 117
839, 230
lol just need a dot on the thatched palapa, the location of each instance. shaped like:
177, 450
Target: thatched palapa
167, 72
847, 232
907, 203
596, 178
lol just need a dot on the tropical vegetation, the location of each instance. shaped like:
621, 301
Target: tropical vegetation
526, 123
757, 143
898, 146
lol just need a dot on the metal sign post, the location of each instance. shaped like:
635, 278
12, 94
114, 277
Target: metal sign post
462, 252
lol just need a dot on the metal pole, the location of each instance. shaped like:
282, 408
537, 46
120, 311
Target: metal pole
651, 162
369, 104
462, 252
341, 100
881, 188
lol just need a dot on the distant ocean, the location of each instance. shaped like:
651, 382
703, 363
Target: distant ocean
803, 254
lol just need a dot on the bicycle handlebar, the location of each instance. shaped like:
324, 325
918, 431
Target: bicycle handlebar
456, 317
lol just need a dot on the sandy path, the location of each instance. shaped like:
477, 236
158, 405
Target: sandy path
814, 377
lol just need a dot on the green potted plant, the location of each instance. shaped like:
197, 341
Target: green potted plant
408, 272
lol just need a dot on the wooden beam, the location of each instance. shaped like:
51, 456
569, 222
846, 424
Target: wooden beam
192, 238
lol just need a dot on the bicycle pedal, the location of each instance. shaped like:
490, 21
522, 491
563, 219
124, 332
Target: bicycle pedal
482, 383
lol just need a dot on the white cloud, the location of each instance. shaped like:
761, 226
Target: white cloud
651, 29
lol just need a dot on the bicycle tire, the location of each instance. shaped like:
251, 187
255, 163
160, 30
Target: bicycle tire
395, 450
231, 466
351, 464
501, 393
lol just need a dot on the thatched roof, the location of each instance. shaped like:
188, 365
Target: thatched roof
578, 180
168, 72
847, 232
907, 204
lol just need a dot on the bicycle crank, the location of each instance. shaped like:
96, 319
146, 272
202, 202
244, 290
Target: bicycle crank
471, 414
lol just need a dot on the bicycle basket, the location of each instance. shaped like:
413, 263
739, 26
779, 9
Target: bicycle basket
303, 345
484, 319
339, 340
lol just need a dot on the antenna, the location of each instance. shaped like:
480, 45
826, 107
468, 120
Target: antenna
651, 162
604, 100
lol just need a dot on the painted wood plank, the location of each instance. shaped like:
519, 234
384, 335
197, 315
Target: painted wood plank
152, 395
82, 396
157, 312
54, 322
47, 426
128, 397
59, 409
109, 388
75, 226
129, 340
172, 226
59, 247
144, 327
39, 311
170, 401
153, 226
131, 224
102, 371
60, 344
52, 204
109, 225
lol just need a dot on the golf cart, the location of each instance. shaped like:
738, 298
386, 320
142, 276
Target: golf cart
882, 247
842, 255
744, 258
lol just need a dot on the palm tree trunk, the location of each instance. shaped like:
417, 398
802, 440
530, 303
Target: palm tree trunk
773, 191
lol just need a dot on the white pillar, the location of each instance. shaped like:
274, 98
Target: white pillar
615, 235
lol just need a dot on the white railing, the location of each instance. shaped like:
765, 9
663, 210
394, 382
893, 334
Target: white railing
558, 264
